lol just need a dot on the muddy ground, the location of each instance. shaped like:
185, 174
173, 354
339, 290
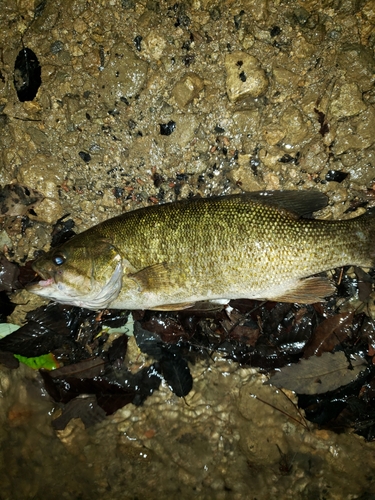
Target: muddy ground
148, 102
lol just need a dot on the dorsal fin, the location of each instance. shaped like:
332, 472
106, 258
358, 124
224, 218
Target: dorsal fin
301, 203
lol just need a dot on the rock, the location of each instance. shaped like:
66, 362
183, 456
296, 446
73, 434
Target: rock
154, 45
273, 134
246, 127
285, 78
5, 240
356, 133
349, 102
259, 9
187, 89
123, 76
272, 181
184, 133
361, 166
302, 49
246, 121
270, 157
38, 137
47, 18
315, 158
357, 62
295, 126
244, 177
245, 77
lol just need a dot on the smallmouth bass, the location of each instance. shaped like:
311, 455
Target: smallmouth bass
172, 256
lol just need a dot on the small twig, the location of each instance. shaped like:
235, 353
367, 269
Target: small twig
340, 277
304, 423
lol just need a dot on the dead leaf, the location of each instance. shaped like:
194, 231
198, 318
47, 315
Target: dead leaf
84, 407
9, 272
328, 334
318, 375
88, 368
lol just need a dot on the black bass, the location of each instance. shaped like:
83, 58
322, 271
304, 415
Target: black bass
172, 256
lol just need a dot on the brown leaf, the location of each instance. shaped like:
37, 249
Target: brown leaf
245, 334
84, 407
318, 375
168, 328
364, 284
88, 368
8, 274
328, 334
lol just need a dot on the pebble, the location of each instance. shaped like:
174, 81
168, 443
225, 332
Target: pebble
246, 121
356, 132
124, 75
349, 101
245, 77
154, 45
295, 125
187, 89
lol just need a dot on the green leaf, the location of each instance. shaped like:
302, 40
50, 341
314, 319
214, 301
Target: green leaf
46, 361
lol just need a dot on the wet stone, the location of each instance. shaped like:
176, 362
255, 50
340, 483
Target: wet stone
295, 126
245, 77
244, 177
154, 45
349, 102
86, 157
273, 134
186, 126
187, 89
357, 132
124, 75
285, 78
57, 47
167, 128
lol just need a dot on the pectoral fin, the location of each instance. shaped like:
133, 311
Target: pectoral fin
158, 277
173, 307
201, 306
307, 291
210, 305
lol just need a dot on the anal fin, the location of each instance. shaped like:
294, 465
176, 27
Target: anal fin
307, 291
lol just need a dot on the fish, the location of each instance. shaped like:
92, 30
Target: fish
261, 245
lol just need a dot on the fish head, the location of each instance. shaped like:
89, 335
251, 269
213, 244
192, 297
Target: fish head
80, 273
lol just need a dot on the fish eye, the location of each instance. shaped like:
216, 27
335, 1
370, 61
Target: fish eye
58, 259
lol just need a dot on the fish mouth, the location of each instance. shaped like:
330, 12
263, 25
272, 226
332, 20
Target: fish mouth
46, 282
42, 284
46, 279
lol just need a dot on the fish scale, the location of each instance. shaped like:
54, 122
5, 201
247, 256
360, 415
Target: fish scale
171, 256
